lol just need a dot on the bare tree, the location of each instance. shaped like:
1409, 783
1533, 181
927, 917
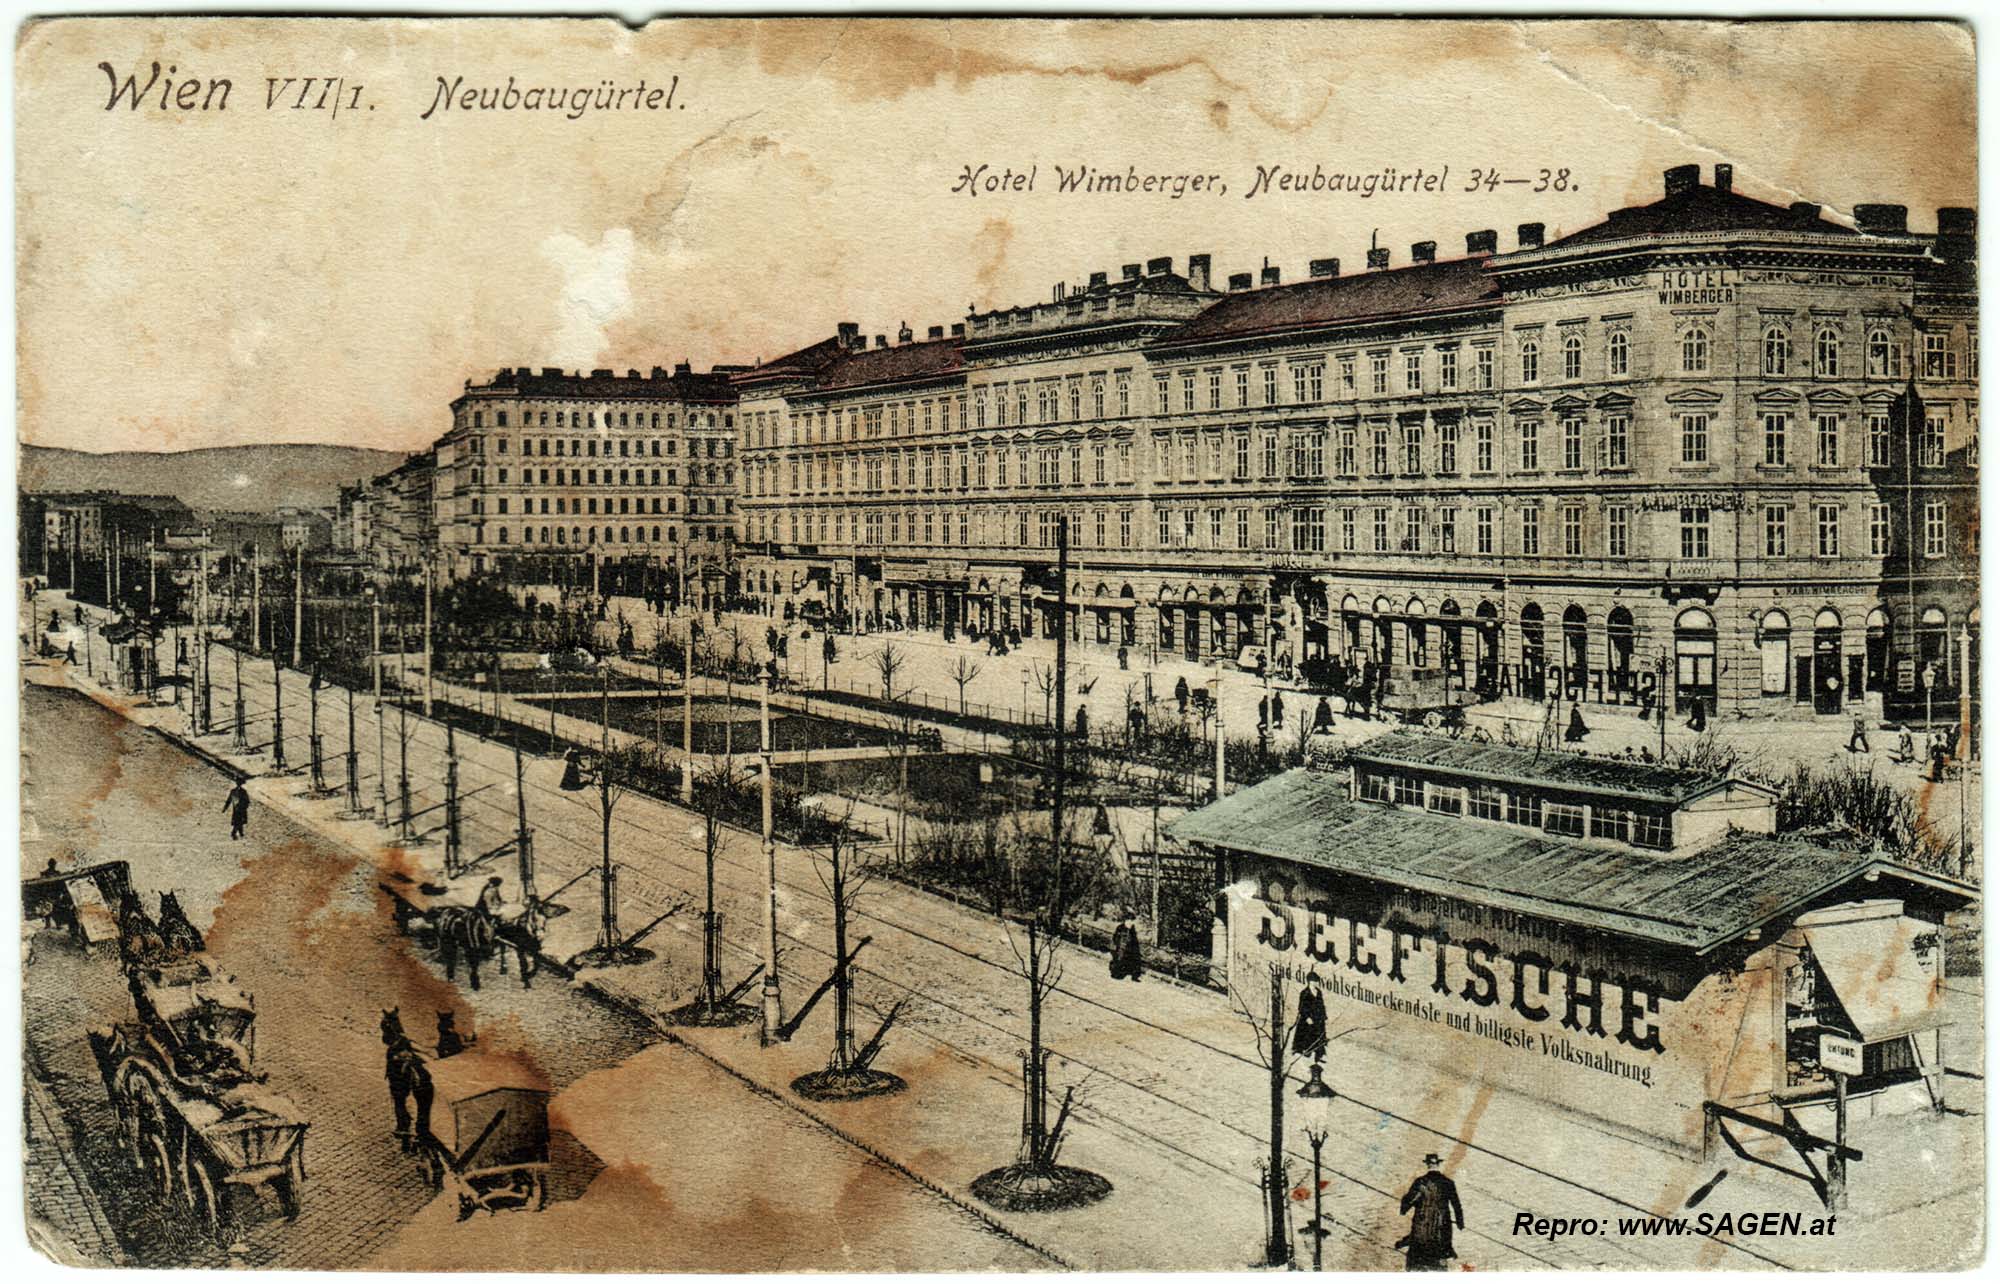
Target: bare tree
716, 1005
888, 663
963, 673
1044, 680
850, 1072
613, 771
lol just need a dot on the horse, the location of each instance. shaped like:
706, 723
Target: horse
408, 1079
523, 935
462, 929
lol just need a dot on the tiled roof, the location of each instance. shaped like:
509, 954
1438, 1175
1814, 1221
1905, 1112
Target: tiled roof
1553, 768
900, 364
1694, 901
1409, 291
681, 385
1703, 209
807, 361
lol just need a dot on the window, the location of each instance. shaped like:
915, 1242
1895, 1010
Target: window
1482, 446
1124, 395
1448, 446
1652, 829
1829, 529
1531, 446
1618, 354
1940, 362
1610, 822
1445, 800
1378, 374
1343, 457
1375, 788
1777, 530
1242, 527
1447, 530
1214, 390
1930, 451
1694, 439
1572, 525
1694, 533
1826, 353
1531, 360
1215, 528
1777, 351
1482, 369
1934, 536
1524, 809
1618, 441
1308, 530
1616, 531
1380, 453
1572, 444
1878, 441
1531, 532
1826, 441
1482, 531
1409, 791
1485, 802
1694, 350
1381, 530
1270, 385
1166, 528
1124, 528
1448, 369
1243, 385
1413, 447
1413, 371
1882, 360
1563, 820
1413, 530
1878, 530
1270, 454
1572, 356
1774, 439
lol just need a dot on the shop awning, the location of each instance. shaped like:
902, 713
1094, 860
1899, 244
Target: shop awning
1871, 968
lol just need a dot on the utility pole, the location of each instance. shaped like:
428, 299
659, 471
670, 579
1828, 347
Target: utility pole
1278, 1240
451, 814
353, 762
687, 708
427, 637
403, 831
608, 939
205, 712
774, 1012
1221, 763
277, 712
152, 580
256, 599
381, 722
524, 838
242, 741
299, 607
318, 785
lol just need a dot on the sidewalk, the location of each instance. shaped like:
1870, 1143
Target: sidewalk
1175, 1110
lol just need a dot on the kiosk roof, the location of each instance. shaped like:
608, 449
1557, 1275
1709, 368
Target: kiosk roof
1693, 901
1553, 769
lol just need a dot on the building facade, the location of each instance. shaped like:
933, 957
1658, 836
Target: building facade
1710, 449
541, 467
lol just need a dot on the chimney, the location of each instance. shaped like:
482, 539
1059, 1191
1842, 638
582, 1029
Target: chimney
1958, 232
935, 333
1882, 220
1057, 295
850, 335
905, 334
659, 372
881, 340
1159, 267
631, 374
1805, 211
682, 367
1099, 281
1724, 176
1486, 242
1271, 274
1378, 258
1198, 272
1320, 269
551, 372
1683, 178
1130, 272
600, 374
958, 330
1529, 236
1424, 252
1239, 281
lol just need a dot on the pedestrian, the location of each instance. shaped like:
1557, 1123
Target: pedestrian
1309, 1032
491, 902
1697, 714
1083, 723
1938, 753
69, 654
1906, 745
1124, 658
450, 1041
237, 804
1135, 720
1432, 1201
1323, 715
1277, 710
1181, 694
1126, 964
1858, 742
1577, 730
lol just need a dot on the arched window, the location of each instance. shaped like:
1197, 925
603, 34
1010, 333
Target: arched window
1881, 359
1694, 350
1826, 353
1774, 648
1531, 361
1931, 649
1572, 356
1618, 354
1619, 642
1576, 646
1777, 351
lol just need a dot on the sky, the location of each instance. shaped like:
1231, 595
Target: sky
191, 278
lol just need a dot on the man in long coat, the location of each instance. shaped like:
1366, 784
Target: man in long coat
1432, 1201
1309, 1033
237, 804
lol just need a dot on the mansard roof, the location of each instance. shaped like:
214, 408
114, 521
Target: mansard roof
1704, 209
1384, 295
903, 363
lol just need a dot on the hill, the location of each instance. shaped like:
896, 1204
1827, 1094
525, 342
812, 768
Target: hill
254, 478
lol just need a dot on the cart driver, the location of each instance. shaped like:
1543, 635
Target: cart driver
491, 902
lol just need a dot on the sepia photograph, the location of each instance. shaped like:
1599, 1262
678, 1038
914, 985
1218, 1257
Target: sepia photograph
1024, 644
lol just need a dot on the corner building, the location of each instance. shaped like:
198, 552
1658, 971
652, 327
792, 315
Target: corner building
1711, 445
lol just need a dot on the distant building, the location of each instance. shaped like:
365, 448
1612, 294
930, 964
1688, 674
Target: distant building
87, 521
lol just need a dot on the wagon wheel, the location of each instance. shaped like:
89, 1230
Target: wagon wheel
150, 1149
1433, 720
209, 1197
540, 1198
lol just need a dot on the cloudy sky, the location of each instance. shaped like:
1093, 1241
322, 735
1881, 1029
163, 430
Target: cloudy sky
191, 278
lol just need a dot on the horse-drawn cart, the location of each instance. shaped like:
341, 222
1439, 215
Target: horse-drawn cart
83, 902
490, 1132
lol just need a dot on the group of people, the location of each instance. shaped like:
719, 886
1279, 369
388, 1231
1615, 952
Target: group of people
1940, 746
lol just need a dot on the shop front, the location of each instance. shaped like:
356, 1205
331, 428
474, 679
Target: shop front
1625, 947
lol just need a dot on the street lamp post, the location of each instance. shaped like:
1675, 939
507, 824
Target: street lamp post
1316, 1102
381, 723
774, 1013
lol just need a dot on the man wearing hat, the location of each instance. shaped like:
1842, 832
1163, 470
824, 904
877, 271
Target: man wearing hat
490, 900
1433, 1202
